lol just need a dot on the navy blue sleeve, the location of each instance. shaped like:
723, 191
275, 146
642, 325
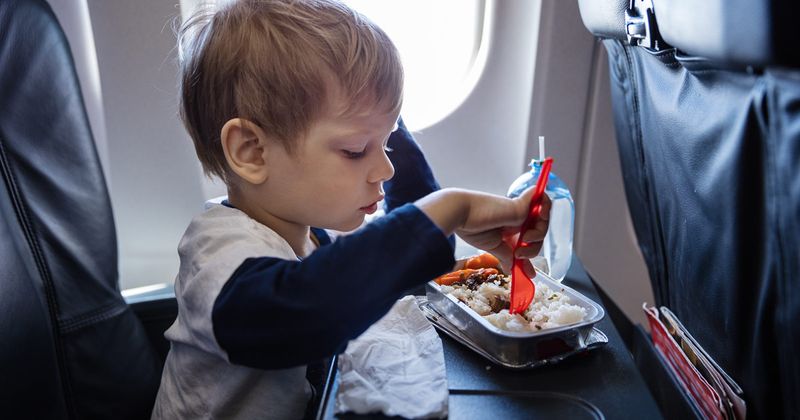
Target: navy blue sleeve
413, 177
274, 313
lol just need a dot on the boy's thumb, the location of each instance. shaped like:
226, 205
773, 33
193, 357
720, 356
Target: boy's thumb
527, 194
524, 199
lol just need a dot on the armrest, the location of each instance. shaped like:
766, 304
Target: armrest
156, 308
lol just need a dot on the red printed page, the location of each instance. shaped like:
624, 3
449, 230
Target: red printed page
707, 400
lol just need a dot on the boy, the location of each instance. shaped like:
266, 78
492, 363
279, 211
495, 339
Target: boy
291, 103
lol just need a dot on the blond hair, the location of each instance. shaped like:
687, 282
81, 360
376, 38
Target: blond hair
278, 64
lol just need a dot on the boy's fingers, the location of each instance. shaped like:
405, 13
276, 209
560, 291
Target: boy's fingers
530, 251
489, 238
503, 253
527, 266
525, 200
537, 233
527, 194
500, 242
547, 204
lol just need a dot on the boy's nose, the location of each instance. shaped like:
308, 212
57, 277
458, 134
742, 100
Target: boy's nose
383, 169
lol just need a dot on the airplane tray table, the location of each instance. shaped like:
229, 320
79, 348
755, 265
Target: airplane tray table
600, 383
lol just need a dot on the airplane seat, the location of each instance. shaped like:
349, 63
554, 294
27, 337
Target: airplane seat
706, 108
70, 346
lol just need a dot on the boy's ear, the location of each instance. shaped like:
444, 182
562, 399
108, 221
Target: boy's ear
244, 145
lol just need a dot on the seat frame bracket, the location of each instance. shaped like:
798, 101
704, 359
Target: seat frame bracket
641, 27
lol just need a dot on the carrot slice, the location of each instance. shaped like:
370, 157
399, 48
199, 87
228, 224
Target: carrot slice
448, 279
461, 275
484, 260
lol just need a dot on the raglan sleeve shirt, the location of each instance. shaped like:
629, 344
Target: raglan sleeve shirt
244, 296
274, 311
251, 314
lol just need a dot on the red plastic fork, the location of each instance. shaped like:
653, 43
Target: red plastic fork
522, 287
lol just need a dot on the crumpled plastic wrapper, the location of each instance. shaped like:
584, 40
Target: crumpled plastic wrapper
396, 367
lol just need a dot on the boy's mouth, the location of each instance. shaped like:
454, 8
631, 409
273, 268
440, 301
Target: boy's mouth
372, 208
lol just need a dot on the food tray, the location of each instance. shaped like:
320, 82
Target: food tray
515, 350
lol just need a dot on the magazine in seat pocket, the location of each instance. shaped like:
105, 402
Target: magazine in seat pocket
714, 393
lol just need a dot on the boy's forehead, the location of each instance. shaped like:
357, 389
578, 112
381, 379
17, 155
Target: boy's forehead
358, 124
363, 110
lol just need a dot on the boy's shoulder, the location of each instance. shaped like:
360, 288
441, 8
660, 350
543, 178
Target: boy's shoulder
221, 230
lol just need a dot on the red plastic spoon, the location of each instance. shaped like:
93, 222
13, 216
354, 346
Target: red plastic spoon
522, 287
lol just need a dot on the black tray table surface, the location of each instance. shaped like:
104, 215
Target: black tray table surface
601, 383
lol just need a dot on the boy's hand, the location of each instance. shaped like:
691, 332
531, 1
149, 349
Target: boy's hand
488, 222
481, 231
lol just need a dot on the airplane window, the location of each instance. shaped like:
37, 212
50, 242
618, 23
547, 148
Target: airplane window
438, 43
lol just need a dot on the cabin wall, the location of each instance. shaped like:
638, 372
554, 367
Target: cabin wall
572, 108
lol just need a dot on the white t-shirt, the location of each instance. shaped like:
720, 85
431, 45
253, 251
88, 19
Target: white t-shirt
198, 379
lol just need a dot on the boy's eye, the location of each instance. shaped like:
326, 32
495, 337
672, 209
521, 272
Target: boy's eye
354, 155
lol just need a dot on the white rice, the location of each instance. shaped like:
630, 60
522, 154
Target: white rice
548, 309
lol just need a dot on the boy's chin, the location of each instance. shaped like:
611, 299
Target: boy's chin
350, 225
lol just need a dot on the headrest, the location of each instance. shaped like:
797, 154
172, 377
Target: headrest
739, 32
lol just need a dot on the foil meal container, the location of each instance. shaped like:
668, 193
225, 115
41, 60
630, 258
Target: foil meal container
515, 350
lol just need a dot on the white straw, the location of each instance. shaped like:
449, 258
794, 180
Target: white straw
541, 148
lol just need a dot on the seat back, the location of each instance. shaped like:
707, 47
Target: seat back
71, 347
710, 150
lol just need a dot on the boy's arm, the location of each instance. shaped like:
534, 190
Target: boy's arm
413, 177
487, 221
273, 313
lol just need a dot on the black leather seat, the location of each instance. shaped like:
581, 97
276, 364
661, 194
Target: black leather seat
707, 117
70, 346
